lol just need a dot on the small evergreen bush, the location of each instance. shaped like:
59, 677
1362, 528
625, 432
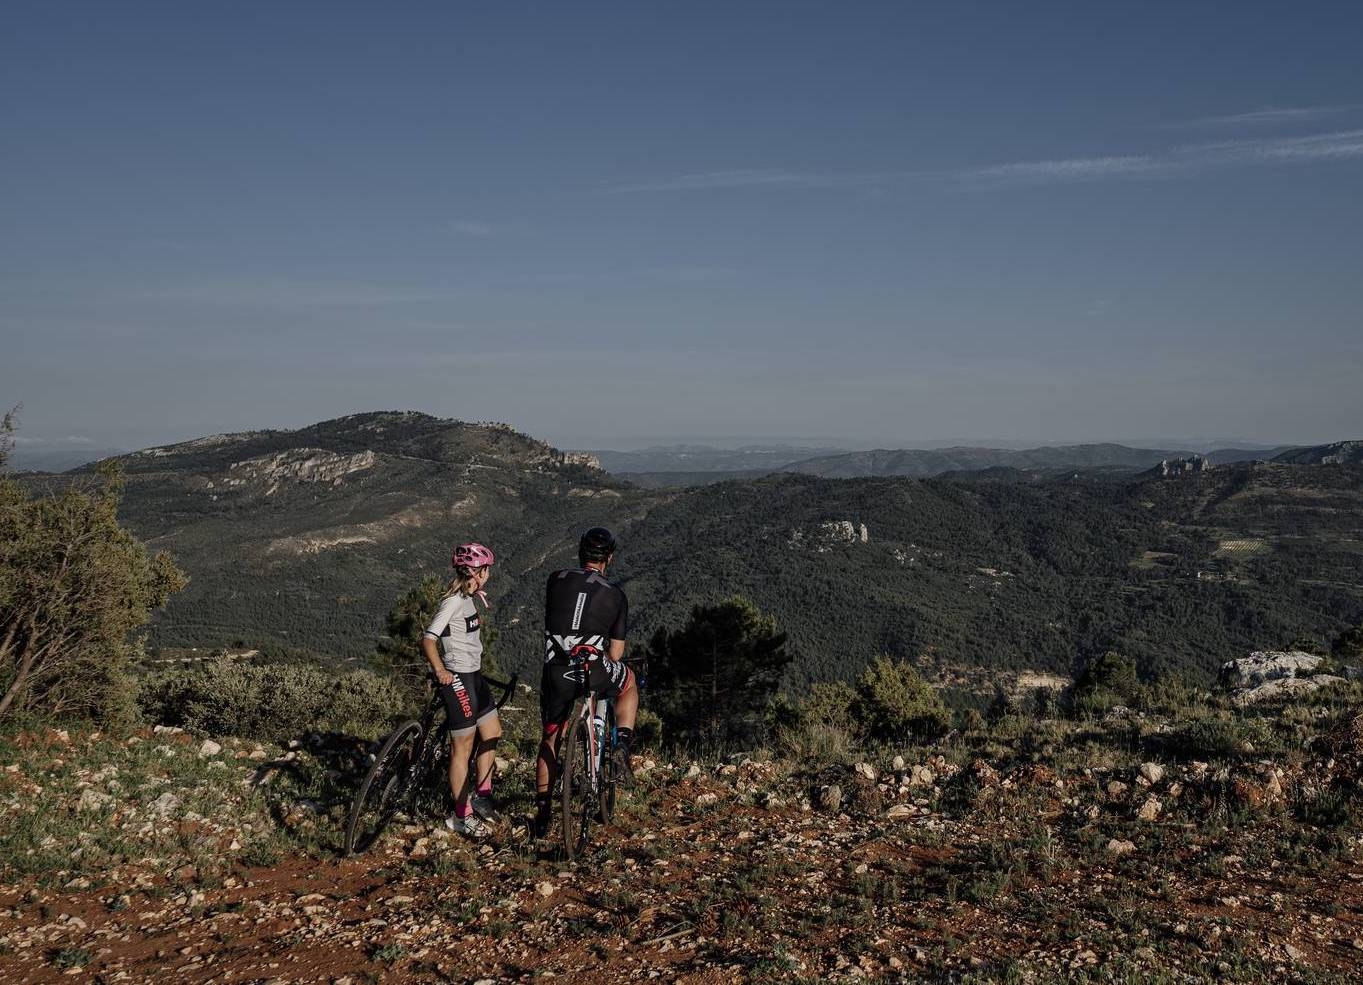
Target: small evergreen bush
275, 702
893, 703
1104, 683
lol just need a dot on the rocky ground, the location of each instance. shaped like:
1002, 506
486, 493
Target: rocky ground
945, 867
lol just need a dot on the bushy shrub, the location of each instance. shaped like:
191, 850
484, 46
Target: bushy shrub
1212, 738
648, 730
276, 702
75, 588
1349, 644
893, 703
1104, 683
820, 729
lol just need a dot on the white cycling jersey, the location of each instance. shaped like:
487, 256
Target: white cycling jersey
456, 628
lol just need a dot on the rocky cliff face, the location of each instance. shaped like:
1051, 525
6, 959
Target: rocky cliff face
1268, 675
300, 465
1183, 466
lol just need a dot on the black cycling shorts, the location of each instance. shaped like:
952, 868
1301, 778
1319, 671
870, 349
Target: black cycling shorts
561, 684
468, 700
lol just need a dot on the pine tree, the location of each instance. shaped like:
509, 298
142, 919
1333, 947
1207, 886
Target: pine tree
713, 678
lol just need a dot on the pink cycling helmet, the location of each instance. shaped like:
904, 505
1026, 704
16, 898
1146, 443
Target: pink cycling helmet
472, 556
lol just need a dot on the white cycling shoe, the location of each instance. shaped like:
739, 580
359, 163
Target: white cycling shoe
469, 827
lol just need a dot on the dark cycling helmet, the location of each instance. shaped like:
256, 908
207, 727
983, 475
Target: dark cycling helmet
471, 556
597, 544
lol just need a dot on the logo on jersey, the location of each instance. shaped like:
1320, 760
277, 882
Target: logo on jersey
563, 646
472, 623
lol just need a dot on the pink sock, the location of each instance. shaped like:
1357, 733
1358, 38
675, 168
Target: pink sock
463, 810
485, 791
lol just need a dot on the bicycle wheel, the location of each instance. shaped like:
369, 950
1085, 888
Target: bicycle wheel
609, 781
384, 788
430, 791
575, 792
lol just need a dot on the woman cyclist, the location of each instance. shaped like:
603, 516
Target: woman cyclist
453, 646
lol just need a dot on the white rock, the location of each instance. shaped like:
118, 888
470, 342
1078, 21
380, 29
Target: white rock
921, 776
1120, 847
209, 748
1267, 665
1150, 809
866, 770
706, 799
546, 888
1284, 688
91, 800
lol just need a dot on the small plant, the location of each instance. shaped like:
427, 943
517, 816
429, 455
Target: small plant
389, 953
72, 957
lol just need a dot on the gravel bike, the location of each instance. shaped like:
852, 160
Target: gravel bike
405, 771
586, 768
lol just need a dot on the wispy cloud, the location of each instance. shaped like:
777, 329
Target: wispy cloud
1178, 160
1066, 169
1184, 159
1271, 116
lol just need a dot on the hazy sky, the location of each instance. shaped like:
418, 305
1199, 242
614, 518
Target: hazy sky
609, 224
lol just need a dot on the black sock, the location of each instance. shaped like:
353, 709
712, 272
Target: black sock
623, 737
543, 803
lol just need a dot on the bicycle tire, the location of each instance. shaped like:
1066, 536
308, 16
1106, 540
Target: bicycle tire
575, 795
609, 781
425, 796
383, 790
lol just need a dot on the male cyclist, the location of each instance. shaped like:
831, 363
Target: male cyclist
584, 617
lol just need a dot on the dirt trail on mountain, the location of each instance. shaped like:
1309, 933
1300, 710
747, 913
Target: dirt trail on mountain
693, 889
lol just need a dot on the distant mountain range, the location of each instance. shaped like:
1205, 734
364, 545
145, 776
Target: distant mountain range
704, 458
306, 538
685, 465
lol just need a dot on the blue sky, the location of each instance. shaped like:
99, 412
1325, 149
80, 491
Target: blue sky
620, 224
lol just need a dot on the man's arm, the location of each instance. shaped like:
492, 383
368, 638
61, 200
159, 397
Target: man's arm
616, 649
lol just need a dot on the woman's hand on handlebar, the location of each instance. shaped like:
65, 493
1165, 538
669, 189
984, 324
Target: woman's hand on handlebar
443, 677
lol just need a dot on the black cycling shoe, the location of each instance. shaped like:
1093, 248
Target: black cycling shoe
623, 768
485, 809
539, 827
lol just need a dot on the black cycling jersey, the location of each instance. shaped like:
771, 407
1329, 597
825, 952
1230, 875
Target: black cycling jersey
581, 610
581, 607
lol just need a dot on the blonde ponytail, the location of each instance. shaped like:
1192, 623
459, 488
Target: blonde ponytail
463, 581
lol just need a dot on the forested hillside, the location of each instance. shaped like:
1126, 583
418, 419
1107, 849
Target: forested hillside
1180, 573
306, 538
921, 463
